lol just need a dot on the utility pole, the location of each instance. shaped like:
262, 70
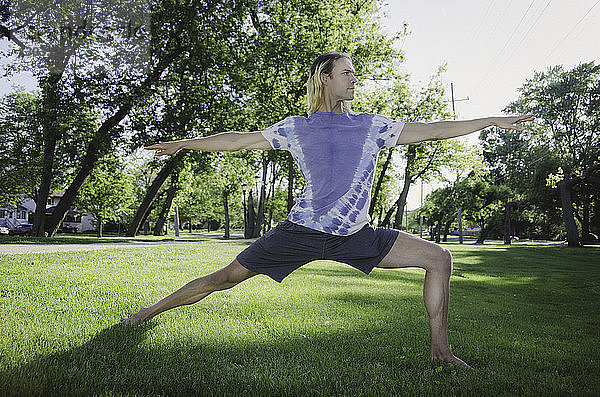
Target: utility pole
460, 229
455, 100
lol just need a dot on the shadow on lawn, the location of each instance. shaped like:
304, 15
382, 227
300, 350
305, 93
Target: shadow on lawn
119, 360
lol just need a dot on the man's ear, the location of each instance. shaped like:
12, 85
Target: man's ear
324, 78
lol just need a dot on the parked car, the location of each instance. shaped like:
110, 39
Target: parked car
4, 230
23, 229
68, 229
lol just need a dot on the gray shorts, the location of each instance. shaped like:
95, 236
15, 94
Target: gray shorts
288, 246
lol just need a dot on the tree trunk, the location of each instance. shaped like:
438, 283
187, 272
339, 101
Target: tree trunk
290, 197
507, 239
226, 209
567, 211
483, 234
261, 200
251, 216
145, 206
380, 181
586, 236
52, 132
271, 195
101, 141
401, 202
270, 219
460, 226
399, 205
437, 231
145, 222
100, 221
164, 213
446, 230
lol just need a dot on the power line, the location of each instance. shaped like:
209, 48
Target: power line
505, 45
469, 49
476, 34
501, 19
522, 39
526, 34
575, 38
517, 27
570, 31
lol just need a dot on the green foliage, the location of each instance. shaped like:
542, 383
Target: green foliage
22, 152
564, 139
74, 36
440, 205
202, 194
481, 200
108, 192
566, 105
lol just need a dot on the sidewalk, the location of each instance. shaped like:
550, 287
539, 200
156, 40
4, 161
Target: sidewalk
16, 249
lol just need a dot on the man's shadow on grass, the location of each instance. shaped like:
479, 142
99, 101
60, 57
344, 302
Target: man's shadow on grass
97, 366
126, 359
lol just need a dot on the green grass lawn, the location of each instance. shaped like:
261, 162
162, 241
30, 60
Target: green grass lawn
527, 318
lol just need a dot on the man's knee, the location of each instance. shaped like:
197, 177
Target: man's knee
443, 261
230, 276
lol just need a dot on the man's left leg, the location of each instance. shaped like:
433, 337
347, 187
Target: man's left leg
195, 290
409, 251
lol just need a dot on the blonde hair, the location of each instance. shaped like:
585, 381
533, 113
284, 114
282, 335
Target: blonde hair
314, 88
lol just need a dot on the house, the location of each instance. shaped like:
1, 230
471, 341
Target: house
11, 217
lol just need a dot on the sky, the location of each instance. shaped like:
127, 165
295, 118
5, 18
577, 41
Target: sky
490, 47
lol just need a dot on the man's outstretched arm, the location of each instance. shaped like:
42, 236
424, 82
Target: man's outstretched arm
419, 132
223, 142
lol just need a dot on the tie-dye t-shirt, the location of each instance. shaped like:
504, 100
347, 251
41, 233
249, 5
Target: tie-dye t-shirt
337, 154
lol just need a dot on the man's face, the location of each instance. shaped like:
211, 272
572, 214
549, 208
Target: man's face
340, 83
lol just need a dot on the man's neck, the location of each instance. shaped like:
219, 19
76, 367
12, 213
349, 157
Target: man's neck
331, 106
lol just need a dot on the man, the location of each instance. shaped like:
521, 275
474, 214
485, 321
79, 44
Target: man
337, 153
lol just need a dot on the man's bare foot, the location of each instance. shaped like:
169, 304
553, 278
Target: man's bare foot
136, 318
447, 356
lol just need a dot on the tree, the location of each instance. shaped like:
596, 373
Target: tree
55, 42
566, 104
107, 193
21, 136
21, 154
483, 203
113, 84
514, 159
439, 210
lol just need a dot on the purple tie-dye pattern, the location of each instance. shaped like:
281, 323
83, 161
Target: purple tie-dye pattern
337, 154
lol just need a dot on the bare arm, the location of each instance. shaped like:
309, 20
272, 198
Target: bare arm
419, 132
224, 142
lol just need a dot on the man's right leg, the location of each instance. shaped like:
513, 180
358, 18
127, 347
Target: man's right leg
409, 250
195, 290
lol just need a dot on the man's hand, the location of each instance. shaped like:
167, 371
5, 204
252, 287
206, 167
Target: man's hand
162, 148
509, 122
